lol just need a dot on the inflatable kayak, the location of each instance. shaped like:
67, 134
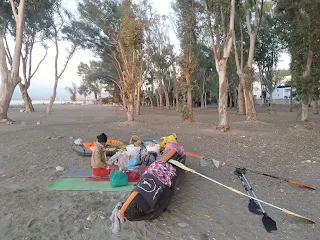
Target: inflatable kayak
112, 146
152, 194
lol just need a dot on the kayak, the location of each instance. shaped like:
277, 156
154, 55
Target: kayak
152, 194
112, 146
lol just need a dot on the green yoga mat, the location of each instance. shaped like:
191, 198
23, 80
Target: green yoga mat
80, 184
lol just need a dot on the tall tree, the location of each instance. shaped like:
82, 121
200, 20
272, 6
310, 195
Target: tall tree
73, 89
186, 22
10, 77
118, 34
62, 27
252, 11
35, 28
223, 25
301, 22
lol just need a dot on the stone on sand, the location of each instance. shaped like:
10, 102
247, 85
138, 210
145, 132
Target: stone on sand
60, 169
183, 224
23, 123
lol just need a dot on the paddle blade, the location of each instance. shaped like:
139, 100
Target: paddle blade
302, 185
269, 224
254, 208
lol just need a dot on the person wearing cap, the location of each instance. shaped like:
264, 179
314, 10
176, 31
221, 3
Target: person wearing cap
98, 160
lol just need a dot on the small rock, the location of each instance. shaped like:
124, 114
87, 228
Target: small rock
102, 217
9, 123
38, 123
314, 162
60, 169
23, 123
48, 137
91, 217
56, 207
243, 136
281, 190
89, 126
70, 137
59, 137
22, 110
86, 228
308, 161
183, 224
302, 161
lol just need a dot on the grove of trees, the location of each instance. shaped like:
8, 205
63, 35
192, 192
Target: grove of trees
225, 45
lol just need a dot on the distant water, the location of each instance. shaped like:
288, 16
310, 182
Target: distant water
20, 102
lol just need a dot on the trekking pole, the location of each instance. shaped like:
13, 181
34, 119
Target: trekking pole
269, 224
184, 167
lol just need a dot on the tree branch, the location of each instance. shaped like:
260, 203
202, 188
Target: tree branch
3, 60
30, 76
73, 49
231, 30
7, 49
248, 22
13, 7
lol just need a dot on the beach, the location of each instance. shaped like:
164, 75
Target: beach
199, 209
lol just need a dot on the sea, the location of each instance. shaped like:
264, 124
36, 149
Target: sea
20, 102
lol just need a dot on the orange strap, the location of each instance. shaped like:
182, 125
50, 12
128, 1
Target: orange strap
166, 157
126, 203
192, 155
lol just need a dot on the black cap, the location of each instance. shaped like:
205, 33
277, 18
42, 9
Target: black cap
102, 138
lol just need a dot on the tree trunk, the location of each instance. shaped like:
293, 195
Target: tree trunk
116, 94
304, 111
248, 94
205, 99
138, 103
6, 92
157, 100
189, 97
53, 97
235, 97
241, 100
230, 99
177, 98
223, 100
85, 99
151, 100
173, 102
315, 107
306, 73
130, 108
160, 98
26, 98
166, 94
202, 94
100, 95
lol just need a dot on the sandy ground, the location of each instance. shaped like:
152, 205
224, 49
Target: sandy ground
275, 144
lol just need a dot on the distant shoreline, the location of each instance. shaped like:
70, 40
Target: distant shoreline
15, 103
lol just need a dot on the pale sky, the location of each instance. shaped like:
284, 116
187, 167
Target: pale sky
45, 75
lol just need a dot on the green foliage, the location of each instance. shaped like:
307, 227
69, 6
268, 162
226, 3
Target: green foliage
108, 100
302, 33
73, 92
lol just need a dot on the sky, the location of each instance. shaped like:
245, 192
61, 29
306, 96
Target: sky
43, 80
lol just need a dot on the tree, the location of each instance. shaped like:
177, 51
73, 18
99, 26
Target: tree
10, 77
186, 24
268, 49
36, 19
253, 13
301, 26
73, 92
94, 77
62, 27
161, 58
119, 35
85, 91
223, 16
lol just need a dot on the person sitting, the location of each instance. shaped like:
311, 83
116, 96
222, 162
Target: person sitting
98, 160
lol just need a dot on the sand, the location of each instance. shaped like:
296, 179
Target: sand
276, 144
